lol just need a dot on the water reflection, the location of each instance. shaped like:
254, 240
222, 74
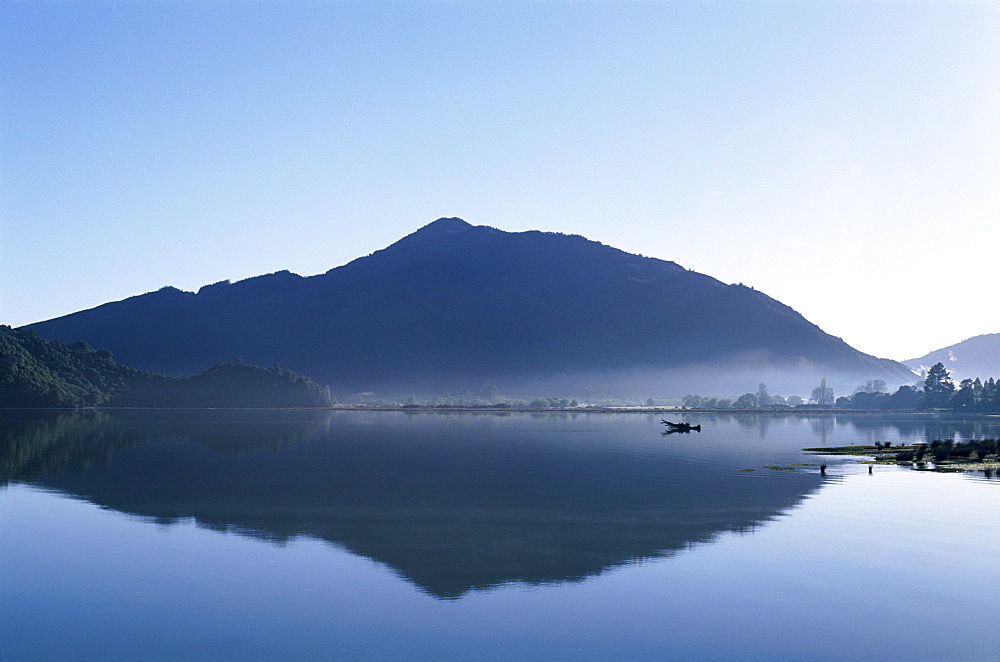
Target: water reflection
867, 428
451, 502
990, 475
34, 443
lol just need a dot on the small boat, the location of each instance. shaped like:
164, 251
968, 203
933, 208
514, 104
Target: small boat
680, 427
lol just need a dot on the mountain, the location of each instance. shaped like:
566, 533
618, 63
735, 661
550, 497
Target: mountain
978, 356
35, 372
455, 306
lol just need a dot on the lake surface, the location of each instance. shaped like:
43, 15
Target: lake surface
385, 535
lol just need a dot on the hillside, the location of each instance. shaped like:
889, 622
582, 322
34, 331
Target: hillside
975, 357
453, 306
35, 372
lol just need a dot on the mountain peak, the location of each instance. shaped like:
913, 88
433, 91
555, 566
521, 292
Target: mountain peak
431, 232
444, 226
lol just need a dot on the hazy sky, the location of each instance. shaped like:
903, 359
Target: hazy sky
842, 157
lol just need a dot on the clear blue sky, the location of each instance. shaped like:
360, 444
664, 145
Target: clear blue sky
843, 157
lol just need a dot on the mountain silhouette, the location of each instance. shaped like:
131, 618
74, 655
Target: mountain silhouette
454, 305
978, 356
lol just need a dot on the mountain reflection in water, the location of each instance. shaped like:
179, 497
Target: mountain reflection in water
452, 503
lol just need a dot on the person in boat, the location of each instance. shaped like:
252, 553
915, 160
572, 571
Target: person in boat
681, 427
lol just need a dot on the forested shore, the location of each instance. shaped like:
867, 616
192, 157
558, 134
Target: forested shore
35, 372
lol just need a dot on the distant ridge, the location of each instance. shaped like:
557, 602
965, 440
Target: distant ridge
454, 306
978, 356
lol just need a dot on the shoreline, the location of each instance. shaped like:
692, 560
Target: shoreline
530, 410
883, 455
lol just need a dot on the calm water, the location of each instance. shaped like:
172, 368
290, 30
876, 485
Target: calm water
347, 535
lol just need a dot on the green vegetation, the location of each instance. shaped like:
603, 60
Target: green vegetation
946, 455
35, 372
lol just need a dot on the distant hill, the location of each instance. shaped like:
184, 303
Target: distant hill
35, 372
455, 306
978, 356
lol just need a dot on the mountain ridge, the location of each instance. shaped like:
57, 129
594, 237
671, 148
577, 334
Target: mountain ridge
454, 305
978, 356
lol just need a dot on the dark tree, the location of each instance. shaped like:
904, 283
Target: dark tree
873, 386
966, 398
938, 387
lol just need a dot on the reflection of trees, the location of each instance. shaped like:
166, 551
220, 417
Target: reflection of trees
944, 428
763, 424
822, 427
35, 443
715, 417
870, 427
248, 431
746, 422
550, 416
878, 427
49, 441
913, 428
751, 422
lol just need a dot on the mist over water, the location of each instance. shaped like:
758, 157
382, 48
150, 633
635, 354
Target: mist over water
727, 380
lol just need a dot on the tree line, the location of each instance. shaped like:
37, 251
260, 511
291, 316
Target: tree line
758, 400
938, 391
35, 372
